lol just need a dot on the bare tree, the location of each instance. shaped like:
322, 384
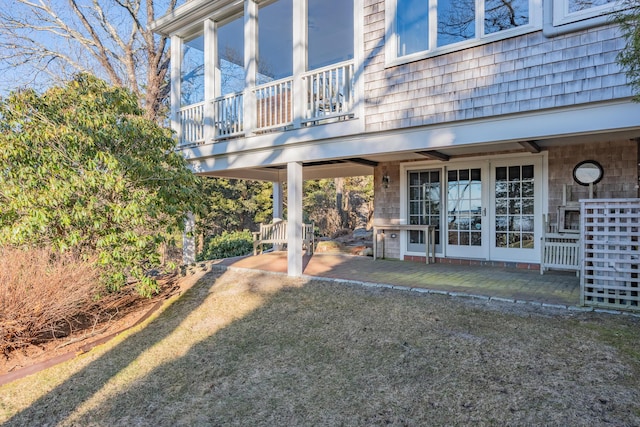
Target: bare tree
43, 41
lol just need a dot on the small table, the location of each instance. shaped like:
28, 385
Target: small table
429, 233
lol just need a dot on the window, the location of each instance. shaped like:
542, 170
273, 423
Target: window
425, 26
500, 15
464, 207
275, 41
424, 206
329, 32
412, 26
569, 11
231, 56
579, 5
192, 71
456, 21
514, 199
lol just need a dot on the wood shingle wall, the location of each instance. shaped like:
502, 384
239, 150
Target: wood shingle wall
520, 74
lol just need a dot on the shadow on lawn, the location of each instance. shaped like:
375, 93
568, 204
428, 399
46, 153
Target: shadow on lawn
56, 406
319, 353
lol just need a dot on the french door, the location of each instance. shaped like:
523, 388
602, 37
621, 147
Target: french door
483, 210
516, 211
425, 201
466, 235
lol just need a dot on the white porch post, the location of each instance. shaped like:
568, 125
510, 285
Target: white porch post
250, 64
210, 55
278, 197
299, 61
176, 71
294, 219
189, 240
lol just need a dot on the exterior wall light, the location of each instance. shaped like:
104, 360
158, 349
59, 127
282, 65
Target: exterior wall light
385, 181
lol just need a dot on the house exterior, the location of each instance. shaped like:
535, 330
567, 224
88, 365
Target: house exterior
473, 116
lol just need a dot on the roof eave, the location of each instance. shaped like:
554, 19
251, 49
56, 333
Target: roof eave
181, 20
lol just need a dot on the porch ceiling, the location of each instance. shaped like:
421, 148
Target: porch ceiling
345, 149
364, 165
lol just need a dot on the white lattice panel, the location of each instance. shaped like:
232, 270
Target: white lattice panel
610, 253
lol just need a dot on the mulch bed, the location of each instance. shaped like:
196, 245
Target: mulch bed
120, 314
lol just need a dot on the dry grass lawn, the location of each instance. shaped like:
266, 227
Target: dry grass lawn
255, 349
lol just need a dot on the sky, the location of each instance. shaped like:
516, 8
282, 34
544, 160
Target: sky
12, 76
275, 51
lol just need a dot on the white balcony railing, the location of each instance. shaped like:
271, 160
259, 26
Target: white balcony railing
329, 92
273, 105
326, 95
229, 116
191, 120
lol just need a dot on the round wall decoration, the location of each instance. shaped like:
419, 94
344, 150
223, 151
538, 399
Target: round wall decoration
588, 172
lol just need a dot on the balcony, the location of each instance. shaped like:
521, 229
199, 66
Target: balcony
321, 96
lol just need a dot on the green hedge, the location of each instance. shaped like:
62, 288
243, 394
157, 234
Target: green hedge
227, 245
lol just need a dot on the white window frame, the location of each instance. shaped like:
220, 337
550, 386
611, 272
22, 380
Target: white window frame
561, 15
490, 162
391, 54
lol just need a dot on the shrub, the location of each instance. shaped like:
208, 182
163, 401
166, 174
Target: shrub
227, 245
43, 295
87, 172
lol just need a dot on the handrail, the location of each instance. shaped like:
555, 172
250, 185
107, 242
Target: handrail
274, 104
329, 91
229, 115
327, 95
191, 119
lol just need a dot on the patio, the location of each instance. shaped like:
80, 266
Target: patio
554, 288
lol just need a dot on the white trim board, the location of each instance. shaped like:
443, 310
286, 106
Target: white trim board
279, 149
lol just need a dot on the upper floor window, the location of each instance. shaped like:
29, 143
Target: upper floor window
329, 32
275, 41
568, 11
424, 26
230, 61
192, 71
579, 5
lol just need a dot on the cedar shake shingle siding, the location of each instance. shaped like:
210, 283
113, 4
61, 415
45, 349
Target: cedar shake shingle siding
520, 74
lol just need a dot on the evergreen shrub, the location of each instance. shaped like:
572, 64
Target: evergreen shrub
227, 244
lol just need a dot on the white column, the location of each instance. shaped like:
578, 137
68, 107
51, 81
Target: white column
299, 61
176, 70
278, 197
250, 64
210, 55
188, 240
294, 219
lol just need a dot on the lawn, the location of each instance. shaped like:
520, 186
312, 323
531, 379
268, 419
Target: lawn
257, 349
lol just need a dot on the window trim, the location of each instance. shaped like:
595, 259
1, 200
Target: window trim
392, 59
582, 20
562, 16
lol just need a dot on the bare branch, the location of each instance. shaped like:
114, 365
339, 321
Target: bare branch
109, 38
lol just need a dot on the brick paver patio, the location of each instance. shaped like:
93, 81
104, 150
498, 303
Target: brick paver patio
553, 288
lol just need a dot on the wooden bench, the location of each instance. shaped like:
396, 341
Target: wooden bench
276, 234
560, 251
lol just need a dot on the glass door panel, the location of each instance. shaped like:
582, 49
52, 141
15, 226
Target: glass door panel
424, 207
465, 212
516, 211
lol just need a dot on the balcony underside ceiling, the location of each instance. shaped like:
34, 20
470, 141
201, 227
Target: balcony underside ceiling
343, 167
358, 153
